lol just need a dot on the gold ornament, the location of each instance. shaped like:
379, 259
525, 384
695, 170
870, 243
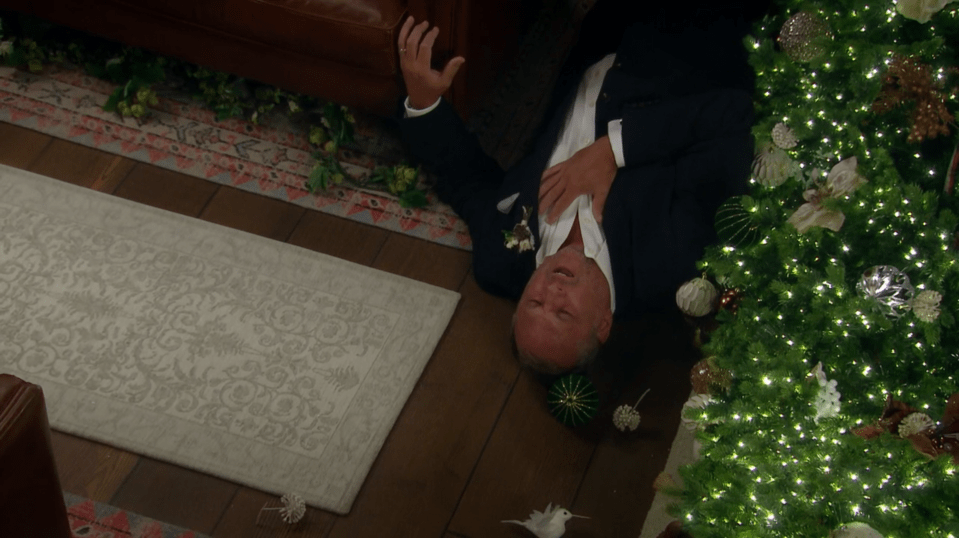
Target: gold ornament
730, 299
664, 481
803, 35
706, 376
909, 81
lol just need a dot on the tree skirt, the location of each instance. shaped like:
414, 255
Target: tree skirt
257, 361
89, 519
682, 452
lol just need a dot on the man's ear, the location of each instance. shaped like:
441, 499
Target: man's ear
604, 326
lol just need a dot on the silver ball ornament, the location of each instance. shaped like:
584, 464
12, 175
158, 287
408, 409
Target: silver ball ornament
889, 287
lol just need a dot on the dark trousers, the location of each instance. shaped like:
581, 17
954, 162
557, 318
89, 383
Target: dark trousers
701, 28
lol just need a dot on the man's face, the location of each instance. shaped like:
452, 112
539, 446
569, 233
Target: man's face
565, 300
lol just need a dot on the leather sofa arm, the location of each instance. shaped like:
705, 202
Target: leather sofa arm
485, 32
31, 501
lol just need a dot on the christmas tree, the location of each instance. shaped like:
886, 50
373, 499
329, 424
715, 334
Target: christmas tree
842, 417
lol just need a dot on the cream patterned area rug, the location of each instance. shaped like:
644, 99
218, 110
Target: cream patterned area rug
263, 363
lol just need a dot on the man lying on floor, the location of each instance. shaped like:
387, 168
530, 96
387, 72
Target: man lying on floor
619, 192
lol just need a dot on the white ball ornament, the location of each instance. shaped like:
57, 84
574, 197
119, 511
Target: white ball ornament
855, 530
697, 297
772, 166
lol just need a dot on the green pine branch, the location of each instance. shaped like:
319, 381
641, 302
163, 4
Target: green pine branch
768, 467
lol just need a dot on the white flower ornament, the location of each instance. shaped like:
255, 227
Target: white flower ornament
842, 180
920, 10
827, 401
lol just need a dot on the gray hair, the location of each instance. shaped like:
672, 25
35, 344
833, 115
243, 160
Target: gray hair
587, 352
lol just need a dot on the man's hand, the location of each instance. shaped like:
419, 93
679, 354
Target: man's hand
424, 84
590, 170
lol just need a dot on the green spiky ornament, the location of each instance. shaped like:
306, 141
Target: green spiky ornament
734, 224
573, 400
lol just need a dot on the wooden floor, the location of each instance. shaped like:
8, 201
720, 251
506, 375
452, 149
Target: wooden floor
474, 444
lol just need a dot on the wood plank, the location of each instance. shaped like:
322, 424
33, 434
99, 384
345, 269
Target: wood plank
241, 519
341, 238
531, 460
82, 166
21, 146
90, 469
654, 353
166, 189
175, 495
416, 482
424, 261
253, 213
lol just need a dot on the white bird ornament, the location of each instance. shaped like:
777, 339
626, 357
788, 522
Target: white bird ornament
550, 523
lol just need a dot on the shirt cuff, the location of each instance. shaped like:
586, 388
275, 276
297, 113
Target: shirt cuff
413, 112
615, 132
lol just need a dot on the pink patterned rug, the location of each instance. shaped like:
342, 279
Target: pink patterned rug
89, 519
272, 159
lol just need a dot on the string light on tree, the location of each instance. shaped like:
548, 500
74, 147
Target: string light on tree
770, 466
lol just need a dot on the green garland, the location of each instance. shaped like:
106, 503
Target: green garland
769, 467
33, 43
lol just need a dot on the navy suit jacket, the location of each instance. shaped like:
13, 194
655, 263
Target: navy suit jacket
687, 147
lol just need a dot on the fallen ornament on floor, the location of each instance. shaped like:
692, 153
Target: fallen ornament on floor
550, 523
573, 400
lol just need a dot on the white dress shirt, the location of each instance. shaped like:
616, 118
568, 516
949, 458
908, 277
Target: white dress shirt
578, 133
